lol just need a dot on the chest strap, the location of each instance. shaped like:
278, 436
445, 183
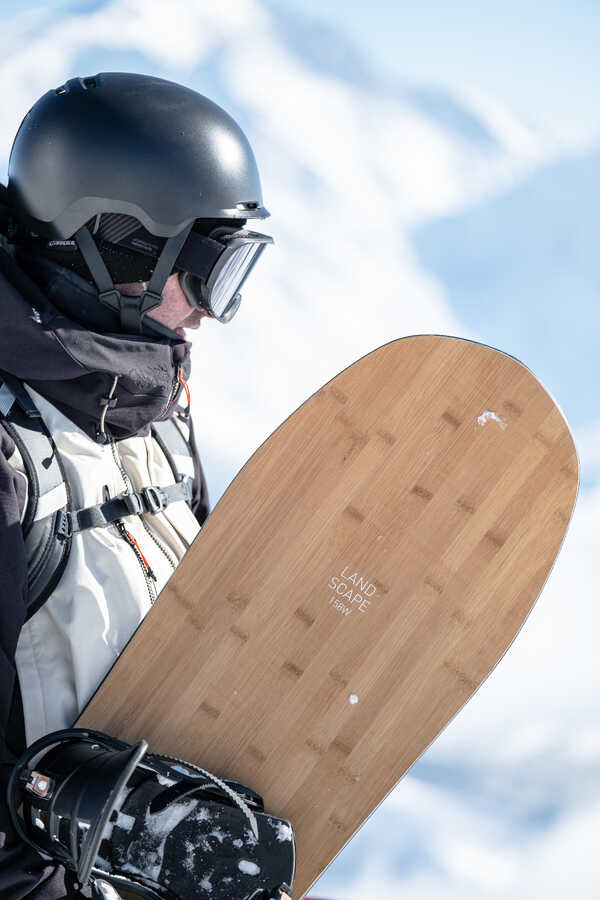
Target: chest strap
149, 500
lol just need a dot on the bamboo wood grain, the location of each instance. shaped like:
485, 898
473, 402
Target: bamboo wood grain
452, 517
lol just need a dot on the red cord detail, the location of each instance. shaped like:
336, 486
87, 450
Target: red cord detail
182, 381
133, 541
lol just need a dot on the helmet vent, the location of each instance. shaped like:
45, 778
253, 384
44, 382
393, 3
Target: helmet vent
89, 82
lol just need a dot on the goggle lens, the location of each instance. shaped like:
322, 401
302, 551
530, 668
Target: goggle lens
231, 276
219, 294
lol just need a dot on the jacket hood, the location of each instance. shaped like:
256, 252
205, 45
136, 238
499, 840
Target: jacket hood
74, 367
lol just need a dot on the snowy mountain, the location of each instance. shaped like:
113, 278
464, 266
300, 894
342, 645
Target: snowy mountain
396, 210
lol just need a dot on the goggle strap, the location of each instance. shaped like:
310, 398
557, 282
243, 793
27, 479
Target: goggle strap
166, 261
199, 254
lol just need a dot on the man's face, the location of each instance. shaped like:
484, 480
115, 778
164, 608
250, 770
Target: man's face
175, 312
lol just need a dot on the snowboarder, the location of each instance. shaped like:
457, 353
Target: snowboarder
122, 226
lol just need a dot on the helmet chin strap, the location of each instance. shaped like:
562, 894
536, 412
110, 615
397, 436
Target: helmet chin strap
131, 309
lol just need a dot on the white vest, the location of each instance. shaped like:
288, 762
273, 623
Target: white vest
69, 645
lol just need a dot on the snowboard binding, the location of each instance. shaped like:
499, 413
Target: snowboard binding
153, 824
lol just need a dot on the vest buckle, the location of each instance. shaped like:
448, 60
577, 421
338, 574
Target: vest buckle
154, 499
63, 528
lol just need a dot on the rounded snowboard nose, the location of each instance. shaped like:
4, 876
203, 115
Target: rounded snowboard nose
441, 527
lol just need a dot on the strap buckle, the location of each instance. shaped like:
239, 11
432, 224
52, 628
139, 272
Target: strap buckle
63, 528
154, 498
188, 487
111, 298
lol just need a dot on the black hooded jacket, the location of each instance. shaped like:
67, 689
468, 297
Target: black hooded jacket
74, 368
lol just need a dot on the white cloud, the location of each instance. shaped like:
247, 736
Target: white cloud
462, 854
39, 50
587, 440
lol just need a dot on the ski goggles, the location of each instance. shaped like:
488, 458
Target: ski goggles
214, 268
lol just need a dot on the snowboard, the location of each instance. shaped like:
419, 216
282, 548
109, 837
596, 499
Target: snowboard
359, 579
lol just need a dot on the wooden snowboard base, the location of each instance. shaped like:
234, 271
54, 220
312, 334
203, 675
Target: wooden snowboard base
359, 579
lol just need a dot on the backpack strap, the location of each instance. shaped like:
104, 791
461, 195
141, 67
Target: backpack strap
50, 521
49, 496
178, 452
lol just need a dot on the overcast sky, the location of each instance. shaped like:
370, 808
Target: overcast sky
541, 58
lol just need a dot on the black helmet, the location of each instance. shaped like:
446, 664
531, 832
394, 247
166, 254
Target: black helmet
141, 147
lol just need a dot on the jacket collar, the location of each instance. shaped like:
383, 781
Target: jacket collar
74, 367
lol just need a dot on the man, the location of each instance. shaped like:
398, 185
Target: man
123, 227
